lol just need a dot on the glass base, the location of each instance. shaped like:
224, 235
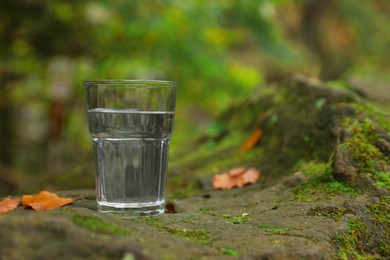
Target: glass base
132, 209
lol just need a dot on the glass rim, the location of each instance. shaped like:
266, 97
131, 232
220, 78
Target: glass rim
130, 82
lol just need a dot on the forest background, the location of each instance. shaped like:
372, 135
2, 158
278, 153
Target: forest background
217, 51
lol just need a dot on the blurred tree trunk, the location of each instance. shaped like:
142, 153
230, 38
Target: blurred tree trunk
5, 126
327, 35
5, 122
9, 19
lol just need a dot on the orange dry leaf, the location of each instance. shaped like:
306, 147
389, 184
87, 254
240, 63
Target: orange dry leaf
236, 177
8, 204
236, 172
45, 201
251, 176
252, 140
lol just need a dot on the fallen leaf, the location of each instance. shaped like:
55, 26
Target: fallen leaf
252, 140
237, 177
222, 181
236, 172
8, 204
251, 176
45, 201
170, 208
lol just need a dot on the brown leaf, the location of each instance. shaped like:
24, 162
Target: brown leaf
8, 204
252, 140
251, 176
237, 177
222, 182
236, 172
170, 208
45, 201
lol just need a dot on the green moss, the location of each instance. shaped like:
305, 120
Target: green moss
380, 211
365, 155
313, 169
384, 248
320, 185
381, 117
380, 215
361, 143
329, 212
244, 218
351, 243
199, 235
205, 210
276, 230
152, 220
342, 85
98, 225
320, 103
228, 251
383, 179
367, 237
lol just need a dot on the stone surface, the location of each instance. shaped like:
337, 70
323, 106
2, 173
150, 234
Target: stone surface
276, 227
323, 162
371, 88
343, 169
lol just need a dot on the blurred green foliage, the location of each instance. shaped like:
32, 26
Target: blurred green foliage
215, 50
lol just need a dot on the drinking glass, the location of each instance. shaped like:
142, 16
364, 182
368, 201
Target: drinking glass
131, 122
